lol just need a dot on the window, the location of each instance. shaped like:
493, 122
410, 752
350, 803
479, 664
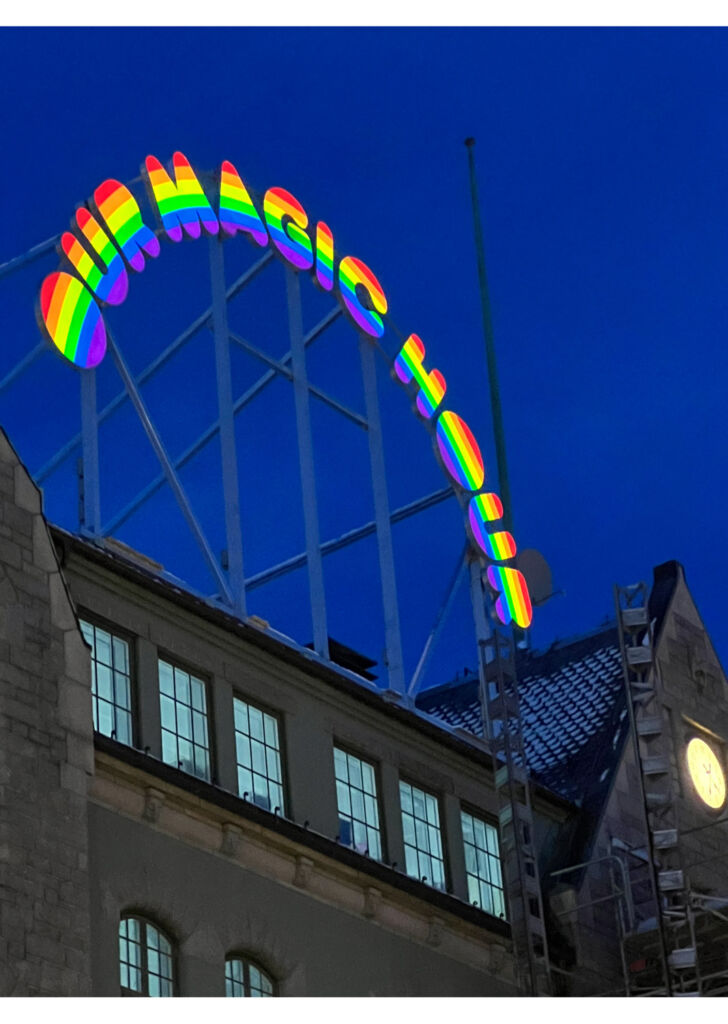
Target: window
422, 841
244, 978
145, 959
258, 753
183, 704
110, 683
356, 796
482, 864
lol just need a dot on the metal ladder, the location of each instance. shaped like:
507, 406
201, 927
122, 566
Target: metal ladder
653, 744
502, 723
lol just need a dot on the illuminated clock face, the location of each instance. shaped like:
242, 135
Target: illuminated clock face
707, 775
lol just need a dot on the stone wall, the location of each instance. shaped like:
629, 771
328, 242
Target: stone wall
46, 756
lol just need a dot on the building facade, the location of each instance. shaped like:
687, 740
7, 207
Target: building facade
191, 804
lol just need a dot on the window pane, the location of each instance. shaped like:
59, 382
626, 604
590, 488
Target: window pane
482, 864
420, 826
258, 755
182, 686
103, 682
357, 811
121, 655
103, 647
185, 740
166, 680
197, 688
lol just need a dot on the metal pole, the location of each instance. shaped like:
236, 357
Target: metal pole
172, 478
228, 450
392, 634
90, 453
495, 402
305, 460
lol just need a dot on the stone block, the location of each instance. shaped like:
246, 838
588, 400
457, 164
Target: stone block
74, 704
10, 554
74, 779
62, 611
27, 495
77, 658
44, 554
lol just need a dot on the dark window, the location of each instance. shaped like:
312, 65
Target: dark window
422, 839
356, 796
183, 706
145, 959
258, 752
110, 682
482, 864
245, 978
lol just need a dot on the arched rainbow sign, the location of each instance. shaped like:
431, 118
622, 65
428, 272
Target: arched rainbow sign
109, 238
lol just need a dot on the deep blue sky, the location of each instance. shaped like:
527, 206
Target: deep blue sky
602, 163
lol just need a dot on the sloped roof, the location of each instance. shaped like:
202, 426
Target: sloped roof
573, 711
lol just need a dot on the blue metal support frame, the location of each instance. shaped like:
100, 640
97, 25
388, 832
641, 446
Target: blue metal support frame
90, 452
228, 448
189, 453
156, 364
306, 465
440, 620
172, 478
393, 638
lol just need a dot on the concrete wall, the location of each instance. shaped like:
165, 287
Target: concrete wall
46, 756
345, 935
210, 906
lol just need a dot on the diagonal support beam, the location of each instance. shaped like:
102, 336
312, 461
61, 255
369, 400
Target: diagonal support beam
329, 546
440, 620
155, 365
172, 478
253, 391
281, 369
24, 363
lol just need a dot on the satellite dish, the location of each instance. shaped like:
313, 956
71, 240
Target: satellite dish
538, 575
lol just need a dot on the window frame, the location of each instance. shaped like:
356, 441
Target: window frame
265, 709
249, 961
145, 920
376, 768
207, 681
99, 622
492, 820
447, 883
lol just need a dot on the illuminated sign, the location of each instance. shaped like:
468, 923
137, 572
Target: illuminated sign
109, 237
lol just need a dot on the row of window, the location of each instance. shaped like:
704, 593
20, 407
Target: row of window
186, 745
147, 964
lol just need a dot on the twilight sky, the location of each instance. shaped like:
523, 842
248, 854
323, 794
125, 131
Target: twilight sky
602, 162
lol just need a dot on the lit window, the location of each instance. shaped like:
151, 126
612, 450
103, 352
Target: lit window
145, 959
183, 705
422, 840
244, 978
258, 752
356, 795
110, 683
482, 864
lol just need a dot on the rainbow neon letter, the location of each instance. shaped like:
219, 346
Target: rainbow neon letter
181, 203
111, 285
72, 319
514, 604
324, 257
487, 508
120, 211
460, 452
236, 211
289, 238
353, 272
408, 366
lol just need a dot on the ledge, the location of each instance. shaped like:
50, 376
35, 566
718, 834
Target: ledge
314, 841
